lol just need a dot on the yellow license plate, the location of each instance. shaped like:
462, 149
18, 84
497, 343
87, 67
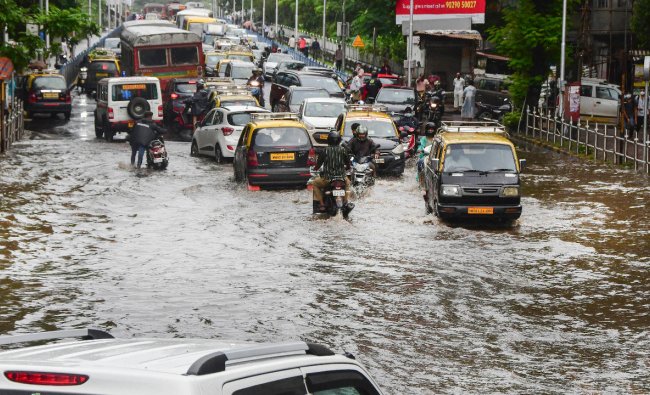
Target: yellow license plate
101, 74
50, 95
283, 156
131, 123
480, 210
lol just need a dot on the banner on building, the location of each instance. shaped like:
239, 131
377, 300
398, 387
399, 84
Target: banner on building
440, 9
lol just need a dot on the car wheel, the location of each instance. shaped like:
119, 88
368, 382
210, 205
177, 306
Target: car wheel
67, 115
194, 151
434, 209
99, 133
218, 155
108, 133
485, 116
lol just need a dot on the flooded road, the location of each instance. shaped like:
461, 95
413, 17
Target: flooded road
558, 303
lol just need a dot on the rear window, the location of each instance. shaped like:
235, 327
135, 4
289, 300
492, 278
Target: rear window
378, 128
241, 71
185, 88
239, 102
480, 157
243, 58
49, 83
396, 96
327, 83
214, 59
185, 55
153, 57
103, 67
239, 118
298, 96
126, 92
324, 110
281, 137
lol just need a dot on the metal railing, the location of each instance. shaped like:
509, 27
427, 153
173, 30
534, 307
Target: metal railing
604, 142
12, 125
70, 70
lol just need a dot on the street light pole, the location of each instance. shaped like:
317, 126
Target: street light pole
277, 36
344, 34
295, 41
562, 58
323, 44
263, 18
47, 35
409, 76
99, 15
234, 10
252, 23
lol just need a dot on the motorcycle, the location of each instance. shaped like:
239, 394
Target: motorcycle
488, 112
157, 157
256, 91
434, 110
333, 195
83, 76
361, 175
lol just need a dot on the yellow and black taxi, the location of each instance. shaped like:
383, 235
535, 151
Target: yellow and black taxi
240, 52
45, 92
212, 59
274, 150
381, 129
103, 63
233, 96
472, 171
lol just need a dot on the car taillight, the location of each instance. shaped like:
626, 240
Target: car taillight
32, 98
174, 96
251, 158
227, 131
311, 159
46, 378
401, 128
68, 98
160, 111
111, 115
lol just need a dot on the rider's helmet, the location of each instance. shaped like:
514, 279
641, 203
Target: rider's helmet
355, 127
436, 84
362, 133
333, 138
408, 110
200, 84
430, 129
257, 70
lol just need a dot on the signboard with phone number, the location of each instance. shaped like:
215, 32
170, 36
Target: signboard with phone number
440, 9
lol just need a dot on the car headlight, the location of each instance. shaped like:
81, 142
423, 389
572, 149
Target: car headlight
450, 190
398, 150
510, 192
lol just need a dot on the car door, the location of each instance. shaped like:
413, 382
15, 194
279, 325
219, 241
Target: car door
240, 155
587, 102
606, 102
212, 130
201, 133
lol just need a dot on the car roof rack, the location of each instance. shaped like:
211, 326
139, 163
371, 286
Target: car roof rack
274, 116
216, 362
234, 93
473, 127
218, 79
367, 107
85, 334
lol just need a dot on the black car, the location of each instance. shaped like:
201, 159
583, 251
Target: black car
176, 92
291, 100
396, 99
274, 150
45, 93
286, 79
99, 69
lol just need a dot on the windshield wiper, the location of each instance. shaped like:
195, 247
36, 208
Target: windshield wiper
500, 170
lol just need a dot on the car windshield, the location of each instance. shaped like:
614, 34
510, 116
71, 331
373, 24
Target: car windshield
243, 71
379, 128
276, 57
126, 92
281, 137
186, 87
298, 96
396, 96
324, 110
290, 65
243, 58
479, 157
240, 118
49, 83
212, 60
325, 82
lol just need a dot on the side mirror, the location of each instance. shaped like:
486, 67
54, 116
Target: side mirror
435, 164
522, 164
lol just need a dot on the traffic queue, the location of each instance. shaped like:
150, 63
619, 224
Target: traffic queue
206, 85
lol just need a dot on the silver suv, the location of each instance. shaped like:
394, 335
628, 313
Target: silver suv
101, 364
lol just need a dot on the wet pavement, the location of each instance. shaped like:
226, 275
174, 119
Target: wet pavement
557, 303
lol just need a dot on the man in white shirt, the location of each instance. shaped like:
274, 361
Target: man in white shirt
642, 107
459, 86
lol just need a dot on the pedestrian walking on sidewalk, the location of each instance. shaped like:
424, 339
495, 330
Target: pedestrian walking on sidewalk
315, 48
641, 112
629, 110
469, 95
302, 44
292, 42
338, 57
459, 87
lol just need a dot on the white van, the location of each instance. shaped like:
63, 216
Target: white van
121, 101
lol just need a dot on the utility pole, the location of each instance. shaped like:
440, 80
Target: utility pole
562, 58
234, 10
47, 35
99, 15
322, 51
277, 36
410, 46
263, 18
295, 41
251, 18
344, 32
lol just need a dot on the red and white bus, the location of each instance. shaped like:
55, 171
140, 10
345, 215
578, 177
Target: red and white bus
160, 49
155, 8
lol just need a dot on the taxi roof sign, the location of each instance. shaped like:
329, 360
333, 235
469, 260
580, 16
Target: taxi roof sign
358, 42
367, 107
473, 127
274, 116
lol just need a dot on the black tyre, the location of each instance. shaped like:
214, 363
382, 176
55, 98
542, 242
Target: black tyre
218, 155
194, 150
108, 133
137, 107
485, 116
67, 115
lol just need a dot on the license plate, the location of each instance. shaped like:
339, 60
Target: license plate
338, 192
50, 95
283, 156
131, 123
379, 160
157, 160
101, 74
480, 210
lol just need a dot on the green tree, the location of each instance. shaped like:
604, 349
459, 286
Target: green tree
531, 37
639, 23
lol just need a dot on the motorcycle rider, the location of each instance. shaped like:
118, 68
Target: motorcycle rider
199, 103
143, 133
257, 77
408, 119
361, 145
430, 130
335, 161
440, 93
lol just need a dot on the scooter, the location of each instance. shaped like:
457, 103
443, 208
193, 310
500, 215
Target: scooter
256, 91
157, 157
361, 175
333, 195
81, 82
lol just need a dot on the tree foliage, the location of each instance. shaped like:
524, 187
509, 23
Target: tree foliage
531, 38
640, 23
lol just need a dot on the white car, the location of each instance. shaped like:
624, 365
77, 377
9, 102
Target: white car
218, 134
271, 61
321, 112
599, 100
102, 364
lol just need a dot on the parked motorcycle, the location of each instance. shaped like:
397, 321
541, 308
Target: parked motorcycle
157, 157
83, 76
488, 112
